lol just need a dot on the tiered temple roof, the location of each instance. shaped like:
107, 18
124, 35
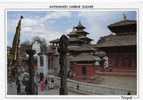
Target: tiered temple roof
79, 44
81, 48
80, 26
115, 40
125, 34
83, 57
78, 35
123, 27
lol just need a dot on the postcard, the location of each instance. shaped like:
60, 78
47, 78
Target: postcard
71, 50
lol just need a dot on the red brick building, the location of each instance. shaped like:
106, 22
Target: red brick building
80, 58
81, 54
120, 47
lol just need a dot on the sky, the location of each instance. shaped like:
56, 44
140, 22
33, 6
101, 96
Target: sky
52, 24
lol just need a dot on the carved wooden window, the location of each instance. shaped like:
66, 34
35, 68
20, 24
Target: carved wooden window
84, 70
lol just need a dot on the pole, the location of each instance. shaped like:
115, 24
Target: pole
63, 68
15, 60
30, 85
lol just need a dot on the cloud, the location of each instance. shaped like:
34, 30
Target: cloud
52, 25
56, 15
97, 21
27, 22
38, 26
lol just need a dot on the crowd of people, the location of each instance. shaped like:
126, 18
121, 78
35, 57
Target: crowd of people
41, 84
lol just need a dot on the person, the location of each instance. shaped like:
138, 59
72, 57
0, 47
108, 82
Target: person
106, 65
27, 90
102, 63
77, 87
52, 83
42, 86
46, 82
36, 84
129, 93
41, 77
35, 88
18, 86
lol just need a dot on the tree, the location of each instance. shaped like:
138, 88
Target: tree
43, 44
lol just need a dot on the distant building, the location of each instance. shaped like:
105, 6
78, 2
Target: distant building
41, 59
120, 47
113, 54
53, 57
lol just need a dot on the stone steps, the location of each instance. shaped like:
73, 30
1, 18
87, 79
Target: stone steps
117, 73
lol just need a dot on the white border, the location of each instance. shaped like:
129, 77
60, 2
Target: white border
73, 96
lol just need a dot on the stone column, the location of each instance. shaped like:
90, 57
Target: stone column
63, 64
45, 67
31, 86
38, 63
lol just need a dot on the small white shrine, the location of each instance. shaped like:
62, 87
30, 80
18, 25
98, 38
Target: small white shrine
42, 59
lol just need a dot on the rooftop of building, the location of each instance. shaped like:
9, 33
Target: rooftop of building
124, 22
78, 35
83, 57
80, 26
55, 41
116, 40
81, 48
124, 36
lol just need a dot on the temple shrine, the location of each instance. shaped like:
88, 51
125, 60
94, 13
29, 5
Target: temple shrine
81, 59
120, 48
81, 54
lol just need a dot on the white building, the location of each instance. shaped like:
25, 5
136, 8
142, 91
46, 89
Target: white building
41, 59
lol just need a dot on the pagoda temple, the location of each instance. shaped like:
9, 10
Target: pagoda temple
81, 59
81, 54
120, 47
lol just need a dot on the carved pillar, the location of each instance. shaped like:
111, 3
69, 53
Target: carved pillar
63, 64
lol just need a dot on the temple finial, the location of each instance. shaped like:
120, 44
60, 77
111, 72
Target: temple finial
21, 17
79, 22
124, 16
80, 26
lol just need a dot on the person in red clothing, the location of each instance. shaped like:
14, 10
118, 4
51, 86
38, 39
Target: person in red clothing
42, 86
